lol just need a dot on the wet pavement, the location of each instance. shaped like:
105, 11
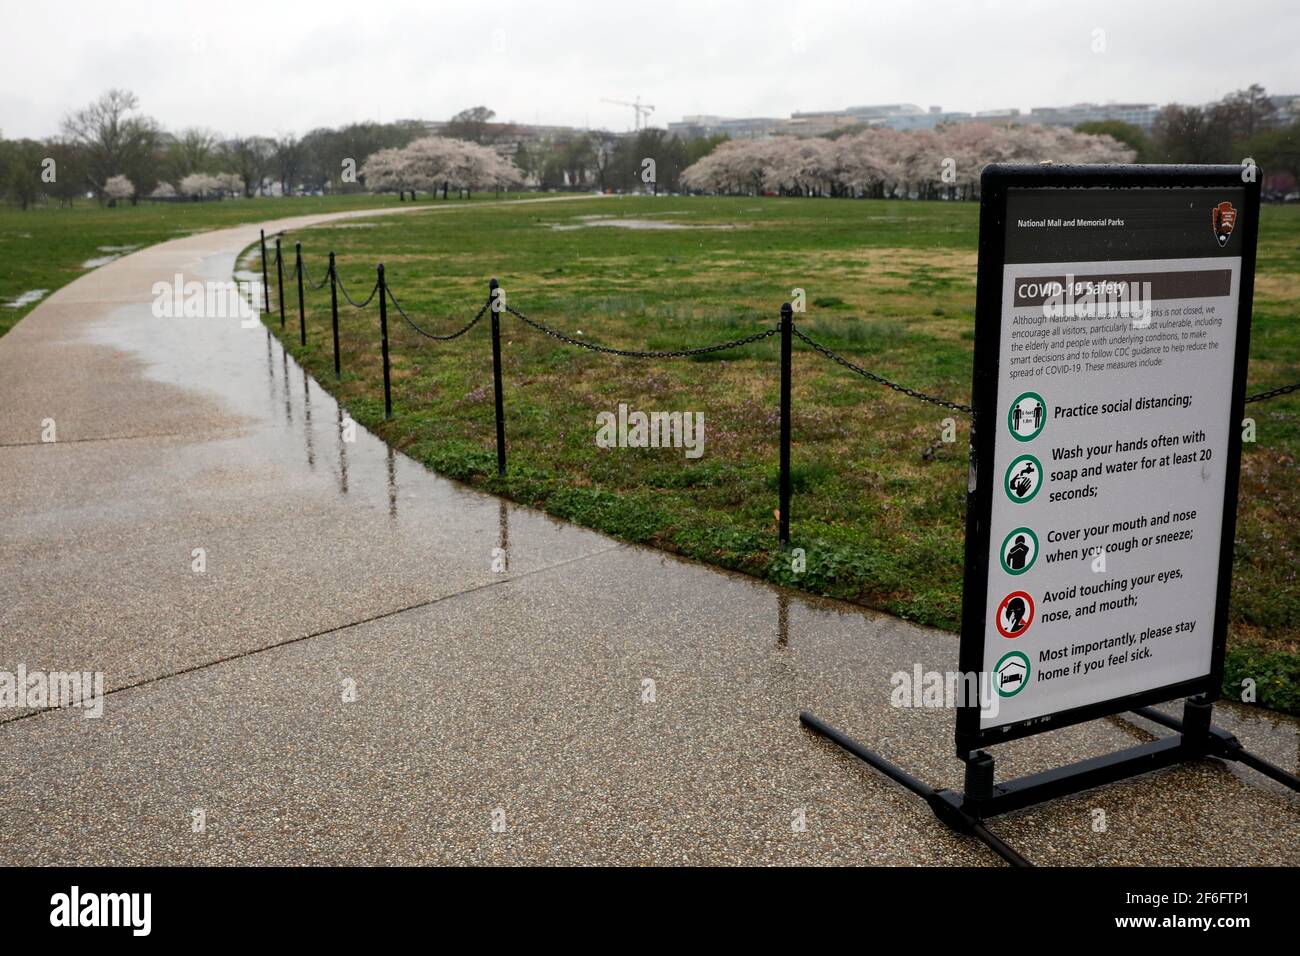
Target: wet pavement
594, 703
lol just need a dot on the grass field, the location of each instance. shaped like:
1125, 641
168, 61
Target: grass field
48, 247
879, 498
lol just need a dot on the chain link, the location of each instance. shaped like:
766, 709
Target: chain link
1273, 393
279, 261
429, 335
307, 275
353, 302
910, 392
629, 353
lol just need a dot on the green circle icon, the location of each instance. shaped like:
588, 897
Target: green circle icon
1019, 551
1011, 674
1027, 416
1023, 479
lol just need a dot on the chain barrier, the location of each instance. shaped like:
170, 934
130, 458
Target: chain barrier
1273, 393
910, 392
351, 301
429, 335
678, 353
629, 353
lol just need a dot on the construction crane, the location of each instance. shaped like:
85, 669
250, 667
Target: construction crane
640, 109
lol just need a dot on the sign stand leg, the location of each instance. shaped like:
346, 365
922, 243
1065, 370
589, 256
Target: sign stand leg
1219, 742
947, 806
966, 812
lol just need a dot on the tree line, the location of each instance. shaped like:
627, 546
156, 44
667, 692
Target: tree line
1245, 124
113, 152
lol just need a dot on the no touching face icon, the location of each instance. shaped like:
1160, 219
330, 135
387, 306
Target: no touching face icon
1015, 614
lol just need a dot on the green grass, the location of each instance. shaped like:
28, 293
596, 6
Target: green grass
879, 497
46, 247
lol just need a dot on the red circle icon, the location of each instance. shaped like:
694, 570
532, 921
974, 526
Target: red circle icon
1015, 614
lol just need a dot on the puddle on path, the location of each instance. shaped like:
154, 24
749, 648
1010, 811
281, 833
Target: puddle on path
114, 252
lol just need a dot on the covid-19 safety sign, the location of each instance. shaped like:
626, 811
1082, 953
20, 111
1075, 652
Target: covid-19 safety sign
1112, 326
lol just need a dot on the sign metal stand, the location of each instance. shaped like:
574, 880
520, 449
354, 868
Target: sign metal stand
1167, 198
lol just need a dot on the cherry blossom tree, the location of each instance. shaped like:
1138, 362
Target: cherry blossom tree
436, 162
119, 187
385, 171
199, 186
884, 162
230, 184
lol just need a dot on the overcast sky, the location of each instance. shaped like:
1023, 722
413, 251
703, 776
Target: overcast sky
243, 67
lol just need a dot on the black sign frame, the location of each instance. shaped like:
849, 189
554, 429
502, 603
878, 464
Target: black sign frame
995, 182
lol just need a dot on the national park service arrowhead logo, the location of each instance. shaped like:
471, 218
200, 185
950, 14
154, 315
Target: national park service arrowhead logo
1223, 217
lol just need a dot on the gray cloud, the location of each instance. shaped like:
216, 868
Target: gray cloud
243, 67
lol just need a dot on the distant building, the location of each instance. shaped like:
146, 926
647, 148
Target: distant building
754, 127
1141, 115
1008, 117
819, 124
880, 114
933, 117
898, 116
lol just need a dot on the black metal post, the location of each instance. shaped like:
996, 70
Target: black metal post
302, 312
495, 306
266, 283
383, 343
334, 316
279, 278
787, 325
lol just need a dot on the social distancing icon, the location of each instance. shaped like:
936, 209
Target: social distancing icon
1015, 614
1023, 479
1011, 674
1027, 416
1019, 551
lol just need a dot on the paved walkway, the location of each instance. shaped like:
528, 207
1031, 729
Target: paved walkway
332, 562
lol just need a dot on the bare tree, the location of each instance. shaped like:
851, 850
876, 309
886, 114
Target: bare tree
289, 157
475, 125
114, 143
192, 150
20, 170
250, 158
1246, 112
